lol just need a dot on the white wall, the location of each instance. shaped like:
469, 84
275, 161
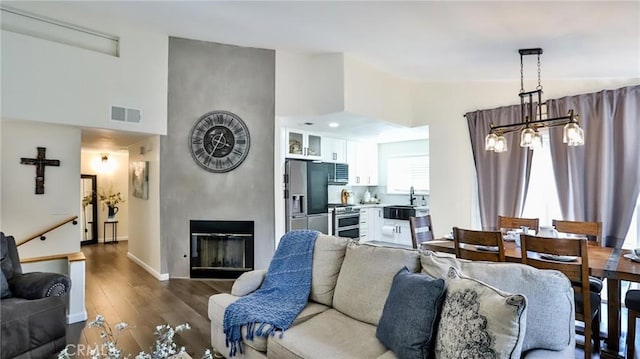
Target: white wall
453, 200
373, 93
71, 85
144, 228
309, 84
115, 179
23, 212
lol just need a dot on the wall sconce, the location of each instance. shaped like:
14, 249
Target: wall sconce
103, 164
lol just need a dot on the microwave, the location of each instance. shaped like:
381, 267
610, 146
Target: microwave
338, 173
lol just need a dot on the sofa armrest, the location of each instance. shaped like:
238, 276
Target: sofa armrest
248, 282
36, 285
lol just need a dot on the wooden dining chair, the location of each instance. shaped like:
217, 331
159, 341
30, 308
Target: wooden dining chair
632, 302
516, 222
466, 244
592, 230
587, 303
421, 230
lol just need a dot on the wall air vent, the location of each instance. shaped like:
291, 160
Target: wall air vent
123, 114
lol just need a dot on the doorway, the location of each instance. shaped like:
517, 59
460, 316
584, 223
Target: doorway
89, 214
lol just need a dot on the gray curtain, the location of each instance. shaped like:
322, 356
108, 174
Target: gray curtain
503, 178
600, 180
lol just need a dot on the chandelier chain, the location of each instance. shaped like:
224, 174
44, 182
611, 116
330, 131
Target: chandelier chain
521, 75
539, 81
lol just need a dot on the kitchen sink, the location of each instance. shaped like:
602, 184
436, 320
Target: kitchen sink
402, 212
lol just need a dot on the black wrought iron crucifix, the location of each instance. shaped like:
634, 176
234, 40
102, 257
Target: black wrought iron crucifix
40, 162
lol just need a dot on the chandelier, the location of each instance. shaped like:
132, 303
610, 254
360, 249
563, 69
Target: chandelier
531, 118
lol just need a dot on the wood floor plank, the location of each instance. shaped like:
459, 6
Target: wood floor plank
120, 290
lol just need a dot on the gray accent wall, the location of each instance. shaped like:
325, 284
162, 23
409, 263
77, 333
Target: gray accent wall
204, 77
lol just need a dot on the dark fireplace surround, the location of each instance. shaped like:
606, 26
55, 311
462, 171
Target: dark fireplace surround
221, 249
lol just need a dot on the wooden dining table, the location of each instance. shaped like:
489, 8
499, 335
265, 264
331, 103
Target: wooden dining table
604, 262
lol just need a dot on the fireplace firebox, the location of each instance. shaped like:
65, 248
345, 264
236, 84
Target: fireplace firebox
221, 249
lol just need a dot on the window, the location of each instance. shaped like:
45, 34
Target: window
542, 198
406, 171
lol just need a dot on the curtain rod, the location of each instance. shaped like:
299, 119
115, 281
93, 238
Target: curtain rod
543, 104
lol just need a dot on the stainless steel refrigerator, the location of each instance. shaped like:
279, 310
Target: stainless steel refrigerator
306, 195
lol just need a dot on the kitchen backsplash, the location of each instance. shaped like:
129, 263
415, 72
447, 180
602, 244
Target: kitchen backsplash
375, 191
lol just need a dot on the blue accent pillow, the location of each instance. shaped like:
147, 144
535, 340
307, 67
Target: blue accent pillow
410, 315
5, 291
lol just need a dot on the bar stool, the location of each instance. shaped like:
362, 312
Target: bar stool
632, 301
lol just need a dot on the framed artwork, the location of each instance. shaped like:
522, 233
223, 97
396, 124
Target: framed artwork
140, 179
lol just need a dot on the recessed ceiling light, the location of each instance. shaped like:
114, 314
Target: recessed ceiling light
334, 124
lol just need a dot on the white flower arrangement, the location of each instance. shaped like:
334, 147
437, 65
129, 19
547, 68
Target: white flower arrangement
164, 346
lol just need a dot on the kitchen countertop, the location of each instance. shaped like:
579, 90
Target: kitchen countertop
380, 205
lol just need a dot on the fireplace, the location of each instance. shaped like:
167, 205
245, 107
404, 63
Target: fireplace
221, 249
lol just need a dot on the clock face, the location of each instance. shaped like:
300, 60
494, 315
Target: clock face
219, 141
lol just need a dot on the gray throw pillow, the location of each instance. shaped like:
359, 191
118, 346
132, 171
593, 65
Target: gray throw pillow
6, 293
409, 319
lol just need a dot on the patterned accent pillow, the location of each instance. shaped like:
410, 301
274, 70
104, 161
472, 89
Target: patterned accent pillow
479, 321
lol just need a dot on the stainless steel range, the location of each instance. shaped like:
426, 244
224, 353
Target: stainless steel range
345, 221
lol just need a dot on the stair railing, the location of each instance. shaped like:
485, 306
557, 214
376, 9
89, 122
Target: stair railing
41, 234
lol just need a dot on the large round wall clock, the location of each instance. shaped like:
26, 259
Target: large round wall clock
219, 141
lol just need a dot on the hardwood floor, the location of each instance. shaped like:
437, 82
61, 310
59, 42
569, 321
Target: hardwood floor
120, 290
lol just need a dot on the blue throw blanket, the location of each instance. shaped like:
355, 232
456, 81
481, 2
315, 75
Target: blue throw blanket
282, 296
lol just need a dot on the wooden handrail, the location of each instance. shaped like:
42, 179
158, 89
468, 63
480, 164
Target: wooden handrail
42, 233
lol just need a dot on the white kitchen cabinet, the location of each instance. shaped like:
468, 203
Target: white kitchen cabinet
396, 231
334, 150
365, 230
370, 224
362, 158
303, 145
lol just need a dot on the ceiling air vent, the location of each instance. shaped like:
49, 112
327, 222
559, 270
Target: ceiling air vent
123, 114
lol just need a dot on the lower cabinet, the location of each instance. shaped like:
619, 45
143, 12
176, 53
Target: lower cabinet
396, 231
370, 219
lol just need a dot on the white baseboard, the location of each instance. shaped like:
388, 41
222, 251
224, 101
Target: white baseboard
76, 317
145, 266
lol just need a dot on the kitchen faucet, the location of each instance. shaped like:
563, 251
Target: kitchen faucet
412, 196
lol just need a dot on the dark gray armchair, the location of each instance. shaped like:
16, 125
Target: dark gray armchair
33, 308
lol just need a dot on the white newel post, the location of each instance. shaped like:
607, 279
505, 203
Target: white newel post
77, 310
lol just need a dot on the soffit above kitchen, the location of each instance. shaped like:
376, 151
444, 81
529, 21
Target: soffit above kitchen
356, 127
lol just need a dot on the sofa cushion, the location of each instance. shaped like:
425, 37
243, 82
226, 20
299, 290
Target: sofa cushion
328, 255
550, 311
409, 319
365, 279
480, 321
219, 302
330, 334
248, 282
4, 285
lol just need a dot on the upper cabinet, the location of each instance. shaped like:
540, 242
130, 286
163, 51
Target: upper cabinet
362, 158
303, 145
334, 150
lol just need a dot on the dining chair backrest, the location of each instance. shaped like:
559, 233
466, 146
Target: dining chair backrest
516, 222
576, 270
421, 230
593, 230
466, 242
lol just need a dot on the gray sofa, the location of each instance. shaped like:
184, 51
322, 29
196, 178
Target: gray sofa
33, 308
350, 285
